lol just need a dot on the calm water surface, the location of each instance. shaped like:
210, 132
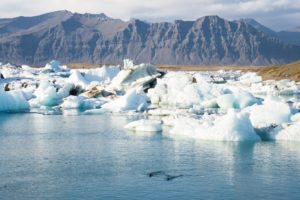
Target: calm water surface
92, 157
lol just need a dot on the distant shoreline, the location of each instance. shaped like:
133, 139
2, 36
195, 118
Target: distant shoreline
289, 71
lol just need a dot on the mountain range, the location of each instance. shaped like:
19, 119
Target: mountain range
289, 36
96, 38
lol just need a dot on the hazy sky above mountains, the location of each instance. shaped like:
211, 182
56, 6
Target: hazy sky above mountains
276, 14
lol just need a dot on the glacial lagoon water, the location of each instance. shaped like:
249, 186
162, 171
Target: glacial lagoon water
92, 157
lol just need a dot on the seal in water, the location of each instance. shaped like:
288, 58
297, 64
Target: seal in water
156, 173
170, 177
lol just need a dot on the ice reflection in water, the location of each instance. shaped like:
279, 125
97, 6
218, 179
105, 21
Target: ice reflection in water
91, 157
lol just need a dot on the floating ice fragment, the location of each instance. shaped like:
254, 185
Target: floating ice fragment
80, 102
145, 126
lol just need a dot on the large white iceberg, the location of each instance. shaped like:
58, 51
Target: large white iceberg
180, 90
273, 111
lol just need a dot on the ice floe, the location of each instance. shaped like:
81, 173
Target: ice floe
144, 125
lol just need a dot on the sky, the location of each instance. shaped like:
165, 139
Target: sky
276, 14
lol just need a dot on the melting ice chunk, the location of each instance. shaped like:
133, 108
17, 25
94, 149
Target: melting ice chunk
145, 126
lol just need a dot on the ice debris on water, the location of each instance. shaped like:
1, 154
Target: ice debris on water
222, 105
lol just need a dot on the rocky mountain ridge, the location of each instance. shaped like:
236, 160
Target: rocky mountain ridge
96, 38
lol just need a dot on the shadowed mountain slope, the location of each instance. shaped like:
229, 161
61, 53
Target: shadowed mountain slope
96, 38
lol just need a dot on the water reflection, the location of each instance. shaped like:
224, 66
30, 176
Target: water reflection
91, 156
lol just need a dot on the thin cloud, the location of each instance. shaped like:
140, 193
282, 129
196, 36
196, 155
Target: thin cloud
158, 10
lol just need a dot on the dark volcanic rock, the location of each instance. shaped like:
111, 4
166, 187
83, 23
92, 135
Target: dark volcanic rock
89, 38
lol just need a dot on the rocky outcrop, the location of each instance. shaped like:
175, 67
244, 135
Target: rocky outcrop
97, 91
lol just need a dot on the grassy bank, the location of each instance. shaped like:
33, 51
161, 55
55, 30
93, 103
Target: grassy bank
290, 71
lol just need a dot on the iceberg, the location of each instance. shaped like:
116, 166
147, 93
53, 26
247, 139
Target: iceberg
12, 101
46, 95
55, 66
135, 76
179, 90
232, 126
220, 105
65, 90
133, 100
72, 102
288, 132
237, 100
80, 102
272, 111
77, 79
101, 75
